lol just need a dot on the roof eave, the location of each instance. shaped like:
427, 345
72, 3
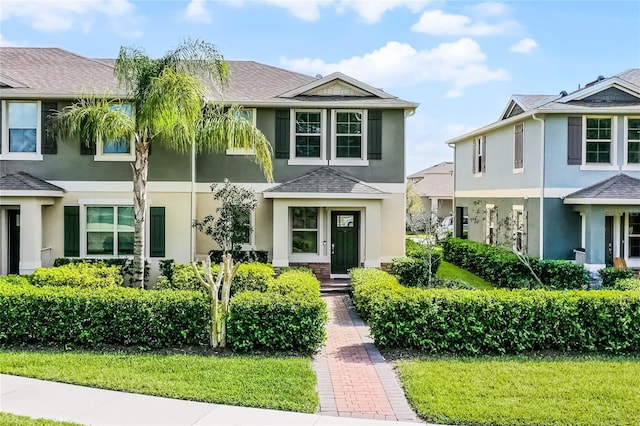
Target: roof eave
603, 201
491, 127
326, 195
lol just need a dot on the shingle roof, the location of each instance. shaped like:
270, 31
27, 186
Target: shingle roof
533, 101
25, 182
57, 73
326, 180
444, 167
620, 186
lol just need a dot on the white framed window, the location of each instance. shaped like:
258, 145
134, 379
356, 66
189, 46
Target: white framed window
479, 155
633, 235
519, 228
304, 230
491, 216
108, 230
598, 148
248, 114
21, 130
632, 142
349, 137
308, 136
248, 236
121, 149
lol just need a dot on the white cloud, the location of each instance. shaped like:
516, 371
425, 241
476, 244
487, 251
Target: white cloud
460, 64
197, 12
308, 10
525, 45
436, 22
489, 9
61, 15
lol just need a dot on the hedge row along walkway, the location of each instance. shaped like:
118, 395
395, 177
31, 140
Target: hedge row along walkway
353, 378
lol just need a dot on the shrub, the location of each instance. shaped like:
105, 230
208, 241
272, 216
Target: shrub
126, 265
289, 316
14, 280
496, 322
244, 256
419, 267
97, 275
94, 317
626, 284
610, 275
502, 268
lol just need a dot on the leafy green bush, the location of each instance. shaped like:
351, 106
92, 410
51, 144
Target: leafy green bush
502, 268
88, 275
627, 284
14, 280
289, 316
496, 322
91, 317
244, 256
610, 275
419, 267
126, 265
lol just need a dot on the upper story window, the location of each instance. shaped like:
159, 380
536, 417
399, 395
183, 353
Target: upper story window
21, 130
349, 137
248, 114
120, 149
632, 134
308, 134
598, 140
479, 155
518, 147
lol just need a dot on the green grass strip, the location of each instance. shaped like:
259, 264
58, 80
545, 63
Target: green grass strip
524, 391
13, 420
451, 271
282, 383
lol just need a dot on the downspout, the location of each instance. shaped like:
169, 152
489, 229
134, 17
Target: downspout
192, 248
542, 171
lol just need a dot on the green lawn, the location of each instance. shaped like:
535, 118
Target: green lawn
13, 420
283, 383
524, 391
448, 270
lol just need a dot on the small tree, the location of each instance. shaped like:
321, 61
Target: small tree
229, 228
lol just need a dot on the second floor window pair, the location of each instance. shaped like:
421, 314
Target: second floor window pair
309, 134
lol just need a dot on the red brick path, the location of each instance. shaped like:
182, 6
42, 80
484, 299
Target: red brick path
353, 378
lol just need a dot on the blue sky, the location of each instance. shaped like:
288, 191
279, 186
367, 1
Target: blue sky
460, 60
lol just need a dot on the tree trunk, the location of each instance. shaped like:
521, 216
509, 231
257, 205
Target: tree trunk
140, 169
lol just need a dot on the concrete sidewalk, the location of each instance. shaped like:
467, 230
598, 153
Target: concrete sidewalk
90, 406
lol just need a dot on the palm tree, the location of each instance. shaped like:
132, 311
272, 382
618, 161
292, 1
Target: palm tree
170, 107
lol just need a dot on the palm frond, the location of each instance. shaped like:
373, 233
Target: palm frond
172, 109
220, 130
198, 57
91, 119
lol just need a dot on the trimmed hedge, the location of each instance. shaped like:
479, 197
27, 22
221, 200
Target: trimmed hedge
244, 256
125, 264
87, 275
502, 268
610, 275
419, 267
101, 316
627, 284
496, 322
289, 316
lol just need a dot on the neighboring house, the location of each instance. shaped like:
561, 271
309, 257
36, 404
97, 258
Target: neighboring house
337, 200
562, 171
434, 185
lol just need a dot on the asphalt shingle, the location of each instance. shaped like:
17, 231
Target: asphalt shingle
326, 180
25, 182
620, 186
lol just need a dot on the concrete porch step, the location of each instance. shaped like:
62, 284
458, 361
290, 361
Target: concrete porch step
335, 286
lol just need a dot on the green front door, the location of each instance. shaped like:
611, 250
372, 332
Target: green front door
344, 241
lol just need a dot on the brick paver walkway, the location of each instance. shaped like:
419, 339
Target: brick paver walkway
354, 380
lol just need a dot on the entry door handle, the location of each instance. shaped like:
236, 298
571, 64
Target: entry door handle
333, 248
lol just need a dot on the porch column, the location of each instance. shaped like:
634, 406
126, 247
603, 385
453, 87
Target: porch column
372, 229
280, 233
30, 236
594, 235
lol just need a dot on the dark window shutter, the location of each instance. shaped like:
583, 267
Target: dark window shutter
474, 157
0, 127
283, 133
374, 135
484, 154
518, 146
574, 141
87, 148
49, 144
157, 232
72, 231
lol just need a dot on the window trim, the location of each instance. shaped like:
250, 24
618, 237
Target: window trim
131, 156
480, 150
251, 245
628, 235
304, 161
625, 162
340, 161
243, 151
5, 154
518, 210
490, 225
84, 203
613, 153
317, 230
